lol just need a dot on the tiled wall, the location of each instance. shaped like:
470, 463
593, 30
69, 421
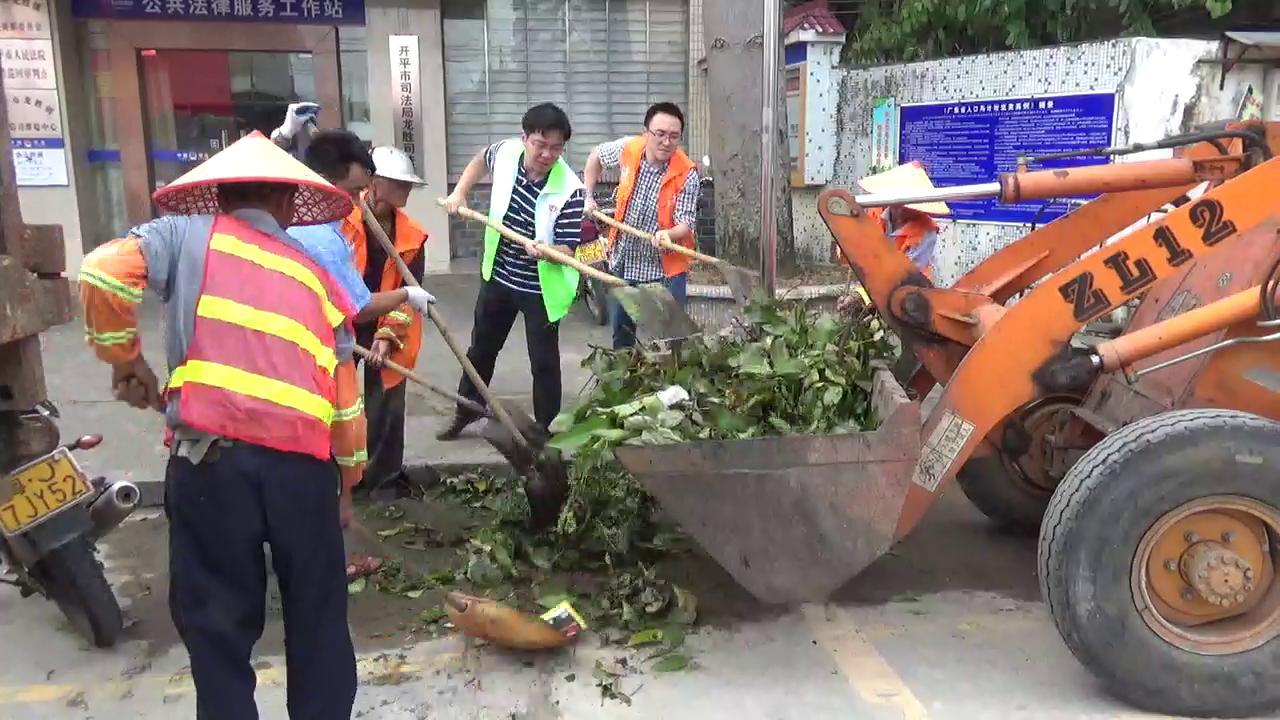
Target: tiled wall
1156, 81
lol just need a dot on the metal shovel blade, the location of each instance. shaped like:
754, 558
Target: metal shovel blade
546, 478
653, 308
742, 282
791, 518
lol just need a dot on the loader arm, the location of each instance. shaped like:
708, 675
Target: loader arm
1026, 354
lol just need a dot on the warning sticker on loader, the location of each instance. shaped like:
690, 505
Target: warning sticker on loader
945, 443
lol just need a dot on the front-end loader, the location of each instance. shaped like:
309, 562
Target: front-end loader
1150, 461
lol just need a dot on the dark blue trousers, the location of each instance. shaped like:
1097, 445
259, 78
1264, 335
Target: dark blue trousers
221, 514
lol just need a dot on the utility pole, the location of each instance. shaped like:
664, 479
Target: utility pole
736, 40
769, 147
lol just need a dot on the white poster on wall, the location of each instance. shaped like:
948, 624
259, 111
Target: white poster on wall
31, 94
40, 166
24, 19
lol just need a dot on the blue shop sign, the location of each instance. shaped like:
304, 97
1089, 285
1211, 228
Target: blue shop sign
962, 143
307, 12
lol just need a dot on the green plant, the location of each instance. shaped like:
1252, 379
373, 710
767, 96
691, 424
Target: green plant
910, 30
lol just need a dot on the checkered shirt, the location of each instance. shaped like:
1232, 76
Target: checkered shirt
634, 259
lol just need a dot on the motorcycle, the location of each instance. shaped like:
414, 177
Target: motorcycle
51, 516
594, 294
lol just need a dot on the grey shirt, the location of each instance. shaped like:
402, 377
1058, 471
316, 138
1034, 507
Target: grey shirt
174, 247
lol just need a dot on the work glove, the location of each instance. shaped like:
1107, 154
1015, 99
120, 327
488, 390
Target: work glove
296, 117
419, 299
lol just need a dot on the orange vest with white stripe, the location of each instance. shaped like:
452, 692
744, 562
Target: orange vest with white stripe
260, 364
673, 263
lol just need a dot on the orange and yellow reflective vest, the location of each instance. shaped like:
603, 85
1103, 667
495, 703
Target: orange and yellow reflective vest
261, 362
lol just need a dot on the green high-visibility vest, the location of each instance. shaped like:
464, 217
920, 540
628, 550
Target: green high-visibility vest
559, 283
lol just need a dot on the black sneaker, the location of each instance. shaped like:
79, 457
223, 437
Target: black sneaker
455, 429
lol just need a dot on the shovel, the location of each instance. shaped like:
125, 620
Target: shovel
741, 282
650, 306
547, 481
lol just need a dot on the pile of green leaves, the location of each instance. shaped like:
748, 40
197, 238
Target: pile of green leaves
785, 371
782, 371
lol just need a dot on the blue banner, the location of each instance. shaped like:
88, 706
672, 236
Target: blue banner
962, 143
36, 143
308, 12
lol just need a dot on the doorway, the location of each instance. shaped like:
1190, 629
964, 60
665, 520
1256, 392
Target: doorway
198, 102
184, 91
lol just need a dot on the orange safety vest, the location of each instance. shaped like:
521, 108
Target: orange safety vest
909, 235
409, 241
673, 263
261, 361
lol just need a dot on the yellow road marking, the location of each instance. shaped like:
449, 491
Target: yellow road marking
384, 666
866, 670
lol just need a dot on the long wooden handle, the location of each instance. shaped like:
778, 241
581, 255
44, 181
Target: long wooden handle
666, 244
496, 407
466, 402
546, 251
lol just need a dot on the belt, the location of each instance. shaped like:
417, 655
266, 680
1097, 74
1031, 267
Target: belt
199, 448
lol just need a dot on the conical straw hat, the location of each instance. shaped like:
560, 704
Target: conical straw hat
256, 159
906, 179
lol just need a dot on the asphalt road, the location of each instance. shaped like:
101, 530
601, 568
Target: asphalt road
950, 625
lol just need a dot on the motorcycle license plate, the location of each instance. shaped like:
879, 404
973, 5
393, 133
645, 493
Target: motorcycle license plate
591, 252
42, 489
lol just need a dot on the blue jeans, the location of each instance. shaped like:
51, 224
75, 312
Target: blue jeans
624, 328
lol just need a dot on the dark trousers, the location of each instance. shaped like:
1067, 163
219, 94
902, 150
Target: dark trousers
624, 328
496, 310
384, 411
221, 513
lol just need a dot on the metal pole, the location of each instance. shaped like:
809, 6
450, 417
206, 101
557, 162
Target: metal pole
768, 149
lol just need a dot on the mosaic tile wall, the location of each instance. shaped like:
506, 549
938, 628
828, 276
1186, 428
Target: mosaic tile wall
1092, 67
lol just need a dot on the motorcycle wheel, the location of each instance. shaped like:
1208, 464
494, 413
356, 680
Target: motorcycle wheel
74, 580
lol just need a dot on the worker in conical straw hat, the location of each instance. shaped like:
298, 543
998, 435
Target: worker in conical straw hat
911, 227
258, 345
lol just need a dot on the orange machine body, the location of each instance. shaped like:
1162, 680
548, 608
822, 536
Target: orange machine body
996, 361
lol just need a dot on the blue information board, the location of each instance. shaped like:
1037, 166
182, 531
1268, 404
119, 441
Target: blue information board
961, 143
309, 12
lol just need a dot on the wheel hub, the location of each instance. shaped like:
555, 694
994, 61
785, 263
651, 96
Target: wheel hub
1217, 573
1204, 575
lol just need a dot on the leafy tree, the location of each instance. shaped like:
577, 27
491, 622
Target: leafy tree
909, 30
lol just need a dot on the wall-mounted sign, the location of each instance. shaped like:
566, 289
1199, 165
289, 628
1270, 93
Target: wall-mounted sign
27, 19
33, 114
969, 142
31, 94
795, 86
406, 95
311, 12
28, 64
884, 134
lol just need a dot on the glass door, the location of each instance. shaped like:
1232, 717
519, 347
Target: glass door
197, 102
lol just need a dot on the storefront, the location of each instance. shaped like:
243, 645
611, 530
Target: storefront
147, 89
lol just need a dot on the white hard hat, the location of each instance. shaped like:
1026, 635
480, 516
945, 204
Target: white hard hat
394, 164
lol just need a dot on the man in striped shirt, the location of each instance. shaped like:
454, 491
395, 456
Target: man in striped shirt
536, 194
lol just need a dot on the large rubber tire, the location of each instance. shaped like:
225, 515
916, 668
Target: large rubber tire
1012, 503
73, 578
1092, 530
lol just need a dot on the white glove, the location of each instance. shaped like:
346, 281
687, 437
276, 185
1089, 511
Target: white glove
419, 299
296, 117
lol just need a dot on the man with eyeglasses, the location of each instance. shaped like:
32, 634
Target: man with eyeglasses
536, 194
657, 193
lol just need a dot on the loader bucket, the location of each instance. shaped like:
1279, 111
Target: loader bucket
791, 518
